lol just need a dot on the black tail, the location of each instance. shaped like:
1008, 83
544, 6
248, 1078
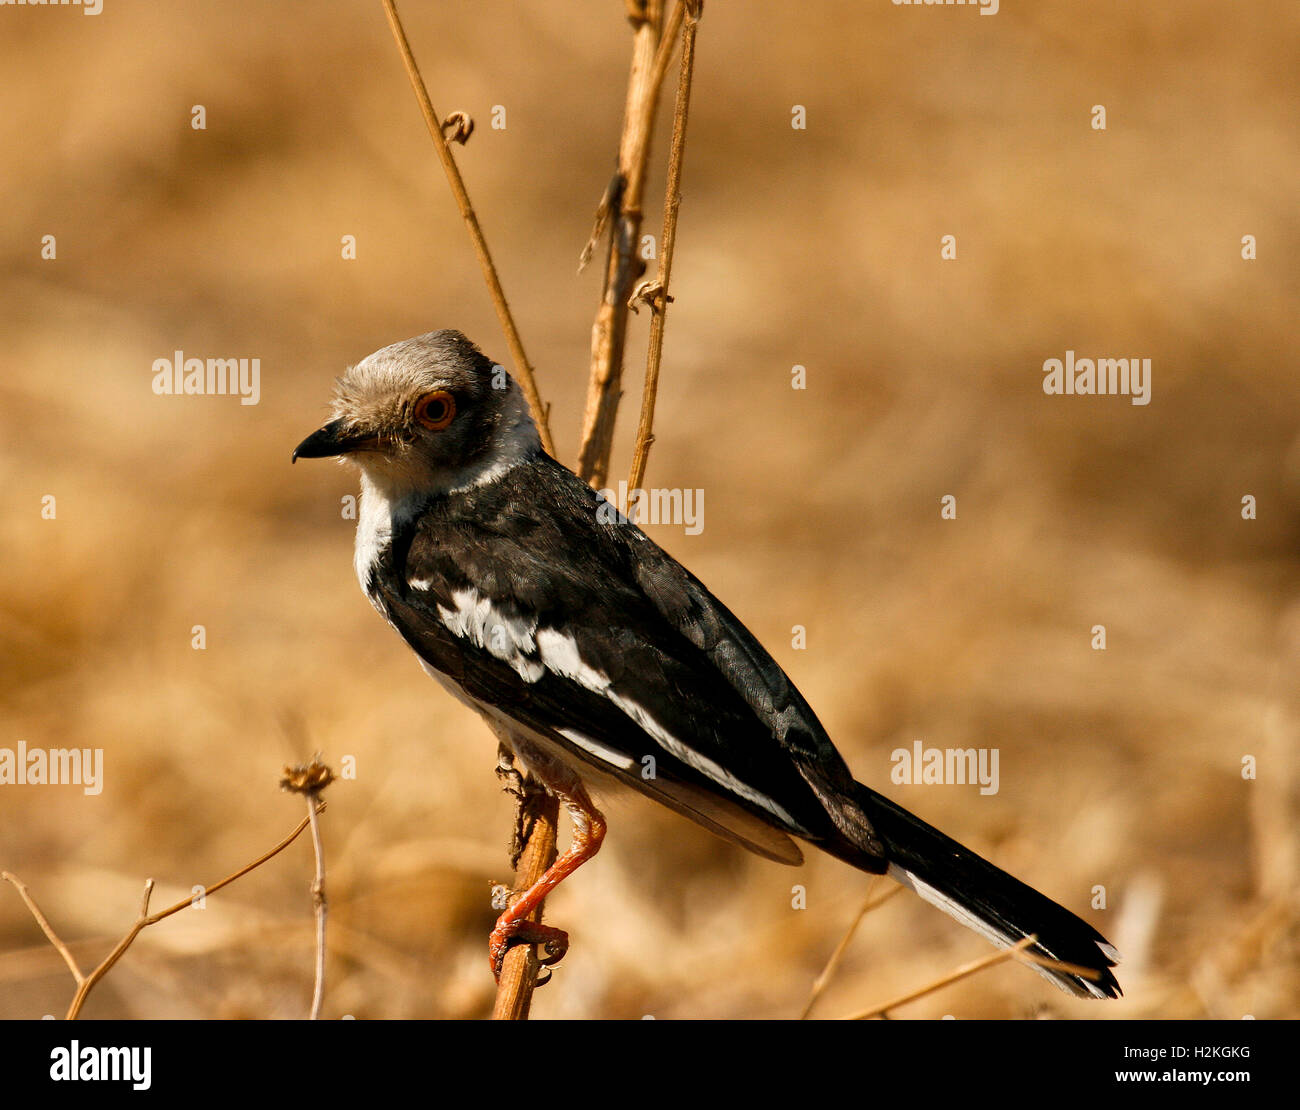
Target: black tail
983, 898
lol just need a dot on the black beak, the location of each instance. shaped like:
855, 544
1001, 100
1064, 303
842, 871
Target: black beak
327, 442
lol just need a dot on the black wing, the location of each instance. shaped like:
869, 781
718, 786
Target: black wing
536, 602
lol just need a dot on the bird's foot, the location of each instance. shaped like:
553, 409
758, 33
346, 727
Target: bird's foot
509, 933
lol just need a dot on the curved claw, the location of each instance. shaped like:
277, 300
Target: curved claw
507, 934
556, 950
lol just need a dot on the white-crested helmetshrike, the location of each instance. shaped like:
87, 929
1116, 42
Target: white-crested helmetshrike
586, 648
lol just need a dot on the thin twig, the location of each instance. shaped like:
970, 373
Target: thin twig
1033, 959
832, 965
86, 983
297, 832
309, 779
523, 369
46, 927
520, 967
658, 296
960, 973
319, 905
146, 919
650, 57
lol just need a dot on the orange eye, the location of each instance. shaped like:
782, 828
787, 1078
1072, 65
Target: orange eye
435, 410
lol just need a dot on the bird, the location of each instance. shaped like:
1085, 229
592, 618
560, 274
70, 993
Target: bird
601, 663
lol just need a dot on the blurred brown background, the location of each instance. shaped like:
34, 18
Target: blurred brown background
1119, 768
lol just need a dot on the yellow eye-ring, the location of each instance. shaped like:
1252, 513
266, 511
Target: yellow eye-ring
436, 410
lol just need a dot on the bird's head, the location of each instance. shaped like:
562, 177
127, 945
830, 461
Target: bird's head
426, 414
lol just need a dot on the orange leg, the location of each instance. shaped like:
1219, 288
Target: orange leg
513, 926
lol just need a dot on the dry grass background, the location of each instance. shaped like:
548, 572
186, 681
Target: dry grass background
1119, 768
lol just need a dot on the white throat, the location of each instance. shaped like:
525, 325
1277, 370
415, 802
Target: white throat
383, 506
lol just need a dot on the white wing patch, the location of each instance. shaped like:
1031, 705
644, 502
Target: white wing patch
601, 751
701, 763
510, 639
560, 653
531, 651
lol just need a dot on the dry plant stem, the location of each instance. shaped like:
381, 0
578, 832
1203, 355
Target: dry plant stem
650, 57
86, 983
319, 906
650, 62
46, 928
660, 297
523, 369
832, 965
520, 967
952, 977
